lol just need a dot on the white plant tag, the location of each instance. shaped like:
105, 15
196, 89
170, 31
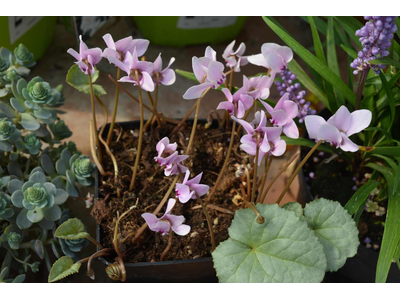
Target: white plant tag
18, 26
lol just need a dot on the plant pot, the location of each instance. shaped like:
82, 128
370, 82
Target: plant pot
193, 270
36, 33
362, 267
183, 31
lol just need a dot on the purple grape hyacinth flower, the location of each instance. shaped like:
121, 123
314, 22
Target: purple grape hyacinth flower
174, 222
208, 71
188, 188
235, 59
166, 76
87, 58
339, 127
375, 37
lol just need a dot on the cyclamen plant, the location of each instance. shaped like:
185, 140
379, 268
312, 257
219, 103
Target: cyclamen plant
39, 171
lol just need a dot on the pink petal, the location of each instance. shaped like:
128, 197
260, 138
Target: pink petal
119, 64
246, 100
228, 50
243, 60
264, 93
329, 134
341, 119
265, 146
145, 66
211, 54
198, 70
109, 41
171, 61
279, 148
201, 189
182, 229
247, 126
123, 45
227, 106
257, 60
95, 53
248, 149
240, 51
285, 52
128, 79
214, 72
241, 110
196, 91
168, 77
291, 109
187, 174
141, 46
275, 62
110, 52
273, 133
280, 104
268, 48
150, 219
290, 129
262, 121
176, 221
74, 54
162, 227
279, 117
227, 94
170, 206
249, 140
82, 66
82, 46
268, 107
195, 180
231, 61
157, 64
360, 119
347, 145
312, 125
147, 82
183, 192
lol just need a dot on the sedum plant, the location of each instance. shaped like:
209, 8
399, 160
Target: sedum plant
37, 170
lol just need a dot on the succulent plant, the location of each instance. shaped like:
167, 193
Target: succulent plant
4, 64
58, 96
10, 76
23, 56
7, 128
32, 143
60, 130
13, 239
83, 169
37, 91
6, 210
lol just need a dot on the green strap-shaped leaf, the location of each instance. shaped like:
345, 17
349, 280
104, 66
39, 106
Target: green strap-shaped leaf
335, 229
307, 143
282, 249
313, 62
386, 61
360, 196
62, 268
72, 229
319, 50
390, 99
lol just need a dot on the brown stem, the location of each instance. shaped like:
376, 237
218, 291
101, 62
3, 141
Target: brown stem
175, 130
114, 115
94, 242
253, 191
231, 82
360, 89
169, 243
139, 148
102, 252
260, 218
268, 161
94, 117
298, 170
208, 221
228, 154
115, 239
93, 150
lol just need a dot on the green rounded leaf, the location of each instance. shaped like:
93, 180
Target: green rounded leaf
80, 81
282, 249
62, 268
335, 229
71, 229
294, 206
29, 122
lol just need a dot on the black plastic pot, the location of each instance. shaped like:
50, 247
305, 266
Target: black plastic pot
362, 267
193, 270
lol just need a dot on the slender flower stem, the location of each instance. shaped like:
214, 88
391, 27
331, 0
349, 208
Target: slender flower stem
115, 239
94, 117
169, 243
298, 170
260, 218
114, 115
93, 150
228, 154
208, 221
231, 82
268, 161
253, 190
95, 242
139, 148
360, 89
283, 169
175, 130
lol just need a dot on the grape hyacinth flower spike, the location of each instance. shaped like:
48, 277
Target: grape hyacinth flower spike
339, 127
208, 71
87, 58
167, 221
166, 76
122, 46
130, 65
168, 156
237, 102
188, 188
235, 59
282, 115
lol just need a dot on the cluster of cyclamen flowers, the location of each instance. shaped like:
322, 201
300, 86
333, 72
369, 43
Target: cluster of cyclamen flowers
125, 55
375, 38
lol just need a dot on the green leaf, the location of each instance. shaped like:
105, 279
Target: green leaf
307, 143
282, 249
80, 81
392, 151
319, 50
29, 122
360, 196
313, 62
295, 207
390, 99
62, 268
37, 247
351, 52
386, 61
335, 229
308, 83
350, 25
72, 229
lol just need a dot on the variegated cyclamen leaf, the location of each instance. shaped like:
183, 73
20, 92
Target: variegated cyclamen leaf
71, 229
80, 81
335, 229
62, 268
282, 249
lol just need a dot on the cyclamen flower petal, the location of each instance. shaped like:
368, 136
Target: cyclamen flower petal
165, 145
272, 56
235, 59
243, 102
167, 221
188, 188
87, 58
166, 76
339, 127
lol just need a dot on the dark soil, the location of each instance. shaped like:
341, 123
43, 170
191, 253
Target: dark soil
338, 179
207, 156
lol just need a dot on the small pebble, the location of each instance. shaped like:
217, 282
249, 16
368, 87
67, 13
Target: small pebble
216, 221
193, 234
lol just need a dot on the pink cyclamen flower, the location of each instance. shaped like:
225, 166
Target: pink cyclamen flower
256, 87
188, 188
272, 56
130, 65
87, 58
235, 59
283, 114
166, 76
168, 156
237, 102
122, 46
167, 221
208, 71
339, 127
269, 138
